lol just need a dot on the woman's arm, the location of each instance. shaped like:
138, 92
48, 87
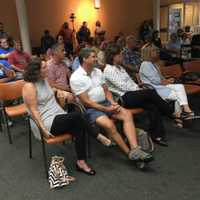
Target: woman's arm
30, 98
63, 96
108, 94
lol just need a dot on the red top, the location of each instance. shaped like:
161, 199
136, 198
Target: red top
66, 33
19, 59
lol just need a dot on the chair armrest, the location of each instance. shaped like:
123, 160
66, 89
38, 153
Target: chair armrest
38, 126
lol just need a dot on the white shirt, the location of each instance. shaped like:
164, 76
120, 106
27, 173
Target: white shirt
81, 82
118, 80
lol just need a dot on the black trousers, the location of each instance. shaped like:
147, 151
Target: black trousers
154, 104
78, 126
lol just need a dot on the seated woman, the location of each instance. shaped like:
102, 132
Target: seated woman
120, 83
53, 120
151, 74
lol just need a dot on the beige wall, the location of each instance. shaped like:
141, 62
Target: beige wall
115, 15
8, 17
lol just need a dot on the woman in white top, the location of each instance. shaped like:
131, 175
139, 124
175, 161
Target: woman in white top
151, 74
120, 83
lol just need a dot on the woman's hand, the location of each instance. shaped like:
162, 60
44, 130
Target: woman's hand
167, 81
171, 80
113, 108
65, 95
70, 97
116, 107
9, 73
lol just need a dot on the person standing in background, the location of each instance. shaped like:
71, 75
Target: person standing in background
66, 33
83, 35
99, 31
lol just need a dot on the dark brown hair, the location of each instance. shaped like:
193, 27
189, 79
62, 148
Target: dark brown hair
32, 72
112, 50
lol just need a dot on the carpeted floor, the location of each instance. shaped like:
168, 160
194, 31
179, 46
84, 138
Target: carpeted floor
175, 173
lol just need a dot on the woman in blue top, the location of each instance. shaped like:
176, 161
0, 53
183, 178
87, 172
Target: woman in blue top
166, 88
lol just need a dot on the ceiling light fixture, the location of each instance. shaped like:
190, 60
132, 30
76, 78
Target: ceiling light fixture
97, 4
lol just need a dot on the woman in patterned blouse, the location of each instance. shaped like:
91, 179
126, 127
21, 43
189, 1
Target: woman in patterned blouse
120, 83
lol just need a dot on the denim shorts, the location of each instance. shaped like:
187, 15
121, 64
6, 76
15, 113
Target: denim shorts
93, 113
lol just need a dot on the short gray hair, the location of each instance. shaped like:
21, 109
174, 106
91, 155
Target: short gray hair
55, 47
85, 53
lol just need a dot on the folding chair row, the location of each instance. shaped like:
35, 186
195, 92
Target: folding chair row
191, 87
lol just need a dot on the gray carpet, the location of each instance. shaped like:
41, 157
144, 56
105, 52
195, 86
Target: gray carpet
175, 173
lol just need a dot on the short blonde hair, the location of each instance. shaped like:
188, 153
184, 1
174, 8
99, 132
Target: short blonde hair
146, 51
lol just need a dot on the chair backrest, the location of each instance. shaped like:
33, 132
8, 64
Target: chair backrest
11, 90
171, 71
192, 66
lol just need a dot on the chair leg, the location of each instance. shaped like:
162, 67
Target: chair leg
45, 158
1, 116
8, 130
30, 139
1, 121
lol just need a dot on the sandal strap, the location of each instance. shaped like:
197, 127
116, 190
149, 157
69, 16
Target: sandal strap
187, 115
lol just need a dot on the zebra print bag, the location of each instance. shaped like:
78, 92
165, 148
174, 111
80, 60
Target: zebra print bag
58, 175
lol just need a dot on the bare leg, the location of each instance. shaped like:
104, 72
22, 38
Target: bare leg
186, 108
103, 139
128, 126
83, 165
110, 128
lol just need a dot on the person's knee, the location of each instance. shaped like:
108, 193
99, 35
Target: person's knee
180, 87
126, 114
108, 125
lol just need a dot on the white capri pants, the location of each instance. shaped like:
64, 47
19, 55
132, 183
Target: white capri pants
178, 95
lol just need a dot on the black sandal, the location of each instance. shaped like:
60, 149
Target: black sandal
92, 172
187, 115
